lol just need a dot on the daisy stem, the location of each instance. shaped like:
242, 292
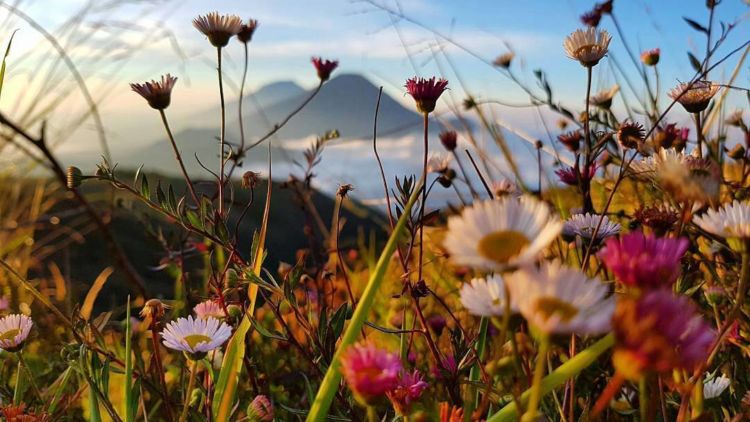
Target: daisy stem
221, 133
22, 364
584, 179
189, 391
17, 389
536, 386
474, 374
699, 134
643, 398
177, 156
372, 414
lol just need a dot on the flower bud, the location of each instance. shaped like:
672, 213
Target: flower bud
74, 177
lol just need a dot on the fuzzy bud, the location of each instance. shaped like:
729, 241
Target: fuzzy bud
74, 177
260, 410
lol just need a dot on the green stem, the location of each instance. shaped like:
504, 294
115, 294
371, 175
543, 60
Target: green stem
474, 393
17, 389
557, 377
330, 383
643, 398
536, 387
372, 414
221, 134
189, 391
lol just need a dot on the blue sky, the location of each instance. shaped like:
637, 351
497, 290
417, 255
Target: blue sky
365, 40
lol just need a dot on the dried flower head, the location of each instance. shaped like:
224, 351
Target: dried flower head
630, 134
369, 371
605, 7
651, 57
154, 309
669, 135
561, 300
694, 97
571, 140
246, 32
250, 179
73, 177
196, 336
690, 179
157, 93
324, 67
644, 261
504, 187
659, 332
588, 46
426, 92
409, 389
439, 162
604, 98
449, 139
260, 409
218, 28
735, 119
660, 219
344, 189
14, 329
493, 235
504, 60
738, 152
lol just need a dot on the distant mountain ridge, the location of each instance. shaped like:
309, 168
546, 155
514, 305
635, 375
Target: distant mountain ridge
347, 103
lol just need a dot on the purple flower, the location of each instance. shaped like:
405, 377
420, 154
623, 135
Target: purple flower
569, 175
324, 67
644, 261
426, 92
659, 332
370, 372
409, 389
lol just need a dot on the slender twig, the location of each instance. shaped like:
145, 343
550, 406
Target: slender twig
178, 157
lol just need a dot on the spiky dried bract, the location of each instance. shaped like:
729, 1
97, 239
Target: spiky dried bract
369, 371
158, 94
426, 92
644, 261
659, 332
694, 97
560, 300
324, 68
588, 46
630, 134
218, 28
14, 329
495, 235
570, 175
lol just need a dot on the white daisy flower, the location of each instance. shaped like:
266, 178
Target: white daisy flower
561, 300
604, 98
583, 226
731, 222
694, 98
13, 331
496, 234
196, 336
714, 387
648, 167
209, 308
485, 296
588, 46
438, 162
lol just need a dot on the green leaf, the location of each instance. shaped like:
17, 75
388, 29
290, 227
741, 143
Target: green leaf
694, 62
171, 199
145, 191
268, 333
2, 68
695, 25
330, 384
160, 197
231, 366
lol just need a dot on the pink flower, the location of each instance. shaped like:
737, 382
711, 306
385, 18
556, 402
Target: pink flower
426, 92
409, 389
209, 308
659, 332
324, 67
644, 261
261, 409
369, 371
157, 93
651, 57
591, 18
568, 175
4, 303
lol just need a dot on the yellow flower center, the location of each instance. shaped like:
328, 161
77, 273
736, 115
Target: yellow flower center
10, 334
194, 339
552, 306
503, 245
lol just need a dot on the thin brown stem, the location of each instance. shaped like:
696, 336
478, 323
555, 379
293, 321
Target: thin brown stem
178, 157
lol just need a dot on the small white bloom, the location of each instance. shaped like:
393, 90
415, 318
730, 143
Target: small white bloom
561, 300
714, 387
209, 308
731, 221
485, 296
584, 225
13, 331
604, 98
195, 335
438, 162
694, 98
588, 46
495, 234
